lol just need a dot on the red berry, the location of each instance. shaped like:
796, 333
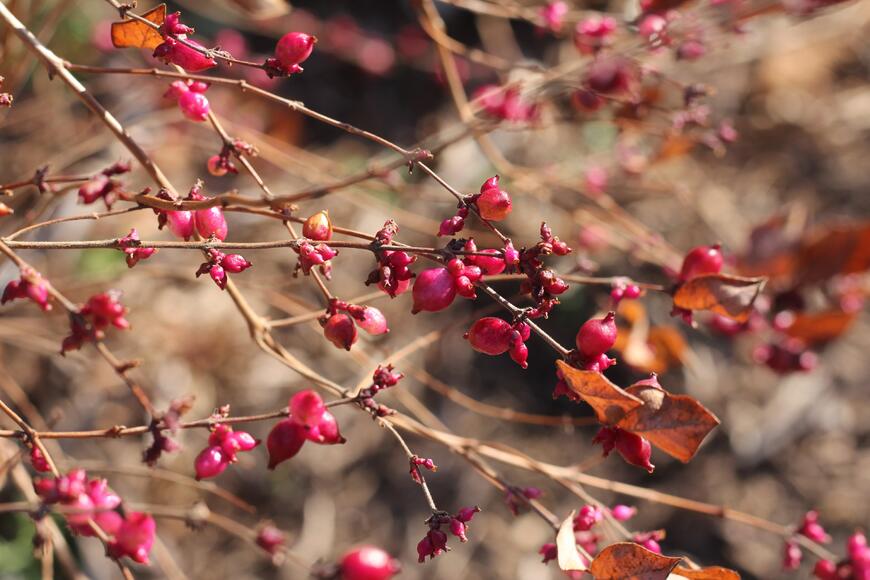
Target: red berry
494, 204
434, 290
340, 330
134, 537
294, 48
194, 105
368, 563
490, 335
284, 441
326, 431
701, 260
216, 166
597, 336
180, 223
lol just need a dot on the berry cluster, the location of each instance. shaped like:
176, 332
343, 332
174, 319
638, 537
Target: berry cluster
382, 378
219, 264
104, 186
543, 284
506, 104
133, 252
393, 273
131, 535
495, 336
309, 420
209, 222
434, 542
89, 323
223, 444
178, 49
191, 99
856, 566
31, 285
338, 322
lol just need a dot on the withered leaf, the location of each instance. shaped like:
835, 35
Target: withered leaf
566, 547
837, 249
711, 573
820, 327
676, 424
135, 34
730, 296
629, 561
609, 402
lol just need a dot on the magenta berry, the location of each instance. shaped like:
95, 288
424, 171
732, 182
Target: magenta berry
368, 563
587, 517
306, 408
180, 223
211, 462
292, 49
270, 539
195, 106
635, 449
326, 432
597, 336
216, 166
700, 261
174, 52
622, 513
284, 441
434, 290
38, 460
340, 330
134, 538
791, 556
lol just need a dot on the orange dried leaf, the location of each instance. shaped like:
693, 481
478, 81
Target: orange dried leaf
609, 402
838, 249
135, 34
820, 327
629, 561
676, 424
730, 296
711, 573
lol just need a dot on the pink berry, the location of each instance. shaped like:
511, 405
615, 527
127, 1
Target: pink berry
791, 556
306, 408
194, 106
434, 290
701, 260
271, 539
368, 563
632, 447
294, 48
318, 227
340, 330
134, 538
174, 52
597, 336
180, 223
210, 222
494, 204
326, 432
519, 353
284, 441
38, 460
235, 263
211, 462
374, 322
622, 513
490, 335
825, 570
490, 265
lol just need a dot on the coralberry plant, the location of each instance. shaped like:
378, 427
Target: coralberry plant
527, 286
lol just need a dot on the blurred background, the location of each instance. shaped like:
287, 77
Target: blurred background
796, 91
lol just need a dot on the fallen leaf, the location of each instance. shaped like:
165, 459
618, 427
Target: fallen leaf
837, 249
676, 424
730, 296
711, 573
569, 557
135, 34
629, 561
609, 402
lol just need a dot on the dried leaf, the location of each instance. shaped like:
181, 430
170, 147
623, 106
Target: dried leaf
676, 424
838, 249
711, 573
648, 349
820, 327
609, 402
135, 34
629, 561
566, 547
730, 296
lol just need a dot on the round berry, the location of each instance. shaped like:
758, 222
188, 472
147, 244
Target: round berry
368, 563
597, 336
